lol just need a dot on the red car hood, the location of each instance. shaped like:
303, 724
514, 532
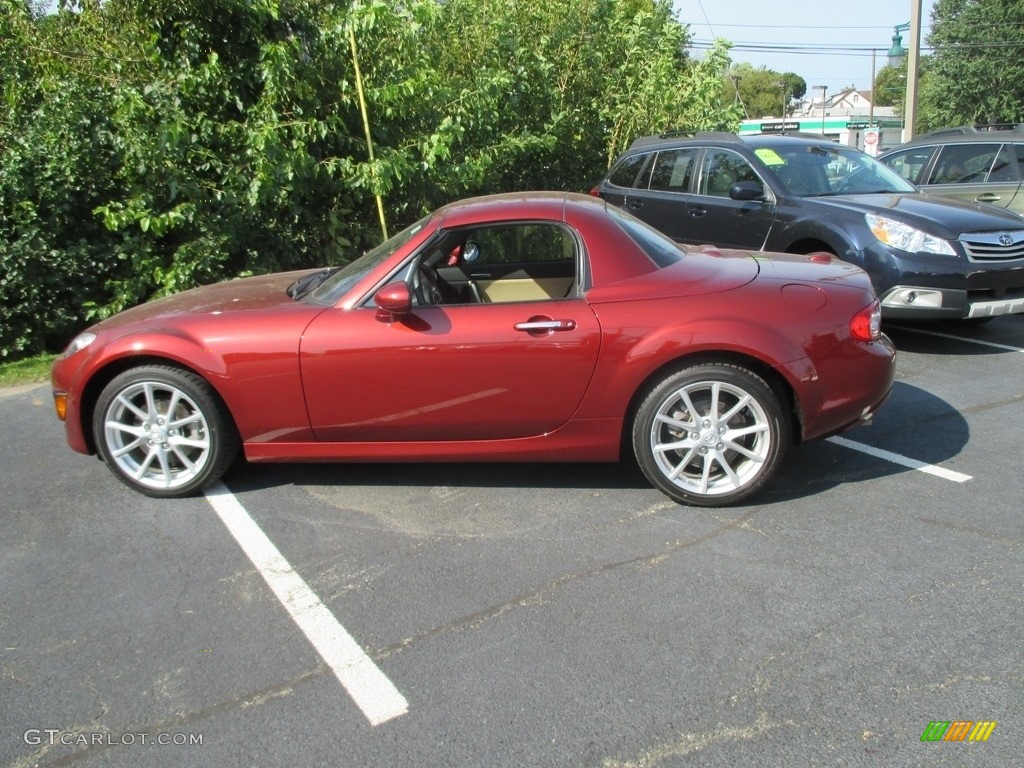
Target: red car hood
248, 294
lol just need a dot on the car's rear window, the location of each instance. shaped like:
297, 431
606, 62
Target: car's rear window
662, 250
624, 174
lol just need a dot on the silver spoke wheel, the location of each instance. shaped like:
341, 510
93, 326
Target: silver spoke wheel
157, 435
710, 434
710, 438
164, 431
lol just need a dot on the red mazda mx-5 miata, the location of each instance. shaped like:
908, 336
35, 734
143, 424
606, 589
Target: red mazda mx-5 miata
523, 327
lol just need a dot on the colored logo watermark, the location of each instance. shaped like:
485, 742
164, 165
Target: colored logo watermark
958, 730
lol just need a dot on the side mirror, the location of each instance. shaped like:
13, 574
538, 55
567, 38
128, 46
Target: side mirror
393, 302
746, 190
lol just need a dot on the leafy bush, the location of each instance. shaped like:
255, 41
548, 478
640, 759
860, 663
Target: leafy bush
150, 146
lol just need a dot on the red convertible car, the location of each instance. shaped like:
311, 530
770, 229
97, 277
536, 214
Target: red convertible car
523, 327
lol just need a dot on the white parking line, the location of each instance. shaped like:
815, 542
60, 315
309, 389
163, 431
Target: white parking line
895, 458
372, 691
960, 338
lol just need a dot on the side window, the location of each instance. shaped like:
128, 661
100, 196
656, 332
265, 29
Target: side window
522, 244
910, 162
625, 173
673, 170
1017, 153
1003, 168
963, 163
501, 263
721, 169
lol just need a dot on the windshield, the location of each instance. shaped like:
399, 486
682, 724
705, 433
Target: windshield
335, 286
817, 170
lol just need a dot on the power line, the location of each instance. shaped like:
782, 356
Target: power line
826, 49
808, 50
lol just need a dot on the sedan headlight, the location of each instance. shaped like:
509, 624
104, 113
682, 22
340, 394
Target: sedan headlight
80, 342
906, 238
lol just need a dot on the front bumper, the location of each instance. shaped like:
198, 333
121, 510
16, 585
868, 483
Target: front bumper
916, 301
926, 286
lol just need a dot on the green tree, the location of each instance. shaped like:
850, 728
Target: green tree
57, 159
147, 146
976, 73
763, 91
889, 89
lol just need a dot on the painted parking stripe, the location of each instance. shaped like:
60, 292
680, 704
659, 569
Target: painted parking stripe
369, 687
904, 461
960, 338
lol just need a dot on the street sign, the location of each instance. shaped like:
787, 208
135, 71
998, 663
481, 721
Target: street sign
871, 139
780, 127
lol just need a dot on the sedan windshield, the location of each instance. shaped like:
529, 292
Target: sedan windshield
335, 286
818, 170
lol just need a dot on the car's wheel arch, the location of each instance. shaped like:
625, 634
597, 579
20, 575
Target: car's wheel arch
780, 387
805, 235
812, 245
103, 375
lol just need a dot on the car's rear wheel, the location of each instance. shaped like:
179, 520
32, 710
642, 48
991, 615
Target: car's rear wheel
710, 435
163, 431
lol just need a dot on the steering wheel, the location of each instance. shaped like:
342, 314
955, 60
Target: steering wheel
426, 286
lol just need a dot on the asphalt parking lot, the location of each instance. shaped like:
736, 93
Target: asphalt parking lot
532, 615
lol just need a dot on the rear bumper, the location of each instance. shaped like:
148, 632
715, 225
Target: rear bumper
851, 388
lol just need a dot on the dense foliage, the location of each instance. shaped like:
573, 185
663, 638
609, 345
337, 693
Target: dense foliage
976, 73
150, 145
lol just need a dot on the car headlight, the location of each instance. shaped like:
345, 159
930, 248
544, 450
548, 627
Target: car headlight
80, 342
906, 238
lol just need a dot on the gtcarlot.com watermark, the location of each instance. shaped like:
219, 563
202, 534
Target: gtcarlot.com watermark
35, 737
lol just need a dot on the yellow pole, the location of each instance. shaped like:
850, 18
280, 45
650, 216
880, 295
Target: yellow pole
366, 126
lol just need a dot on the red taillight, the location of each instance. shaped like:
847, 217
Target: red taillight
595, 192
866, 325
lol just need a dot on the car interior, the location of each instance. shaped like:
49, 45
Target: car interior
498, 264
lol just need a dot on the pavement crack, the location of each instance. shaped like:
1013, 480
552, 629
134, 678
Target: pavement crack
240, 702
689, 743
537, 596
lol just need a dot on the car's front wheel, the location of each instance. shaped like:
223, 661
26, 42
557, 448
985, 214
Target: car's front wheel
710, 435
163, 431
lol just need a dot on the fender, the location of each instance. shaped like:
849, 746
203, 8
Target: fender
627, 362
259, 381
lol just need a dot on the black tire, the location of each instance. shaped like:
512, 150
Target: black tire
691, 453
163, 431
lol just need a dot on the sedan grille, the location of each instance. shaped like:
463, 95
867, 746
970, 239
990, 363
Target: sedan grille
993, 246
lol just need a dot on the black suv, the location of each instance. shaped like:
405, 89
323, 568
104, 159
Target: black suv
983, 164
928, 257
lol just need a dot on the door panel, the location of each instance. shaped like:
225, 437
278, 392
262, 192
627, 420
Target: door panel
714, 217
661, 199
982, 173
460, 372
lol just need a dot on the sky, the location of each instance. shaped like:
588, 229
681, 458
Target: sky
825, 42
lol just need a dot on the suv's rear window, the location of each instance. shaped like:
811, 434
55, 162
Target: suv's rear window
624, 174
662, 250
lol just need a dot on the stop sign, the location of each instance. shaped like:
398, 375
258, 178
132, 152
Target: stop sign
871, 141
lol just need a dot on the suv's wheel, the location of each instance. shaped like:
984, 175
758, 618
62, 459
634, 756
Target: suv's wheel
710, 434
163, 431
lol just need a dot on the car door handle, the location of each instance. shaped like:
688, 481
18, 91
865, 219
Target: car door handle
477, 275
533, 326
988, 197
635, 205
697, 212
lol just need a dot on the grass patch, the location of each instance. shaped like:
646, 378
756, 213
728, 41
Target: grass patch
27, 371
